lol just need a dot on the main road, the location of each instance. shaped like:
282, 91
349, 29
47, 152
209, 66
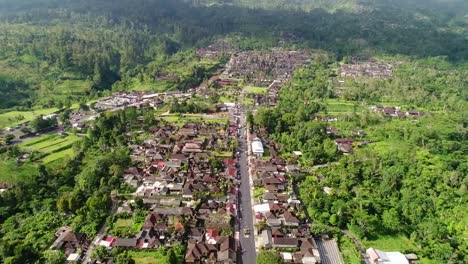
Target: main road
245, 216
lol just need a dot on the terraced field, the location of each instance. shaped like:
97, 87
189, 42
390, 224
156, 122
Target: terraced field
54, 147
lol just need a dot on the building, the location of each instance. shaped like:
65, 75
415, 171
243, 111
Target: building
379, 257
257, 147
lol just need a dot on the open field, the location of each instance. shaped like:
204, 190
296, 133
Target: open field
256, 90
73, 87
391, 243
10, 119
53, 146
158, 256
336, 106
11, 172
125, 227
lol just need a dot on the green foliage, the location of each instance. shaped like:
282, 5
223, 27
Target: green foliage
269, 256
54, 257
399, 188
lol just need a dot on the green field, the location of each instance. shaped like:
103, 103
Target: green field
158, 256
256, 90
11, 172
53, 146
13, 118
125, 227
391, 243
335, 106
72, 87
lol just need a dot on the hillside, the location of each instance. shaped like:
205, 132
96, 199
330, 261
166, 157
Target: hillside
87, 47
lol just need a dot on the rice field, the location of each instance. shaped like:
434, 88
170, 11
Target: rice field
54, 147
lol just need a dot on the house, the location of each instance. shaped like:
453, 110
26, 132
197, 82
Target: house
188, 132
196, 233
309, 251
68, 240
269, 197
191, 148
272, 219
126, 242
257, 147
285, 242
290, 220
227, 250
271, 181
379, 257
344, 145
196, 251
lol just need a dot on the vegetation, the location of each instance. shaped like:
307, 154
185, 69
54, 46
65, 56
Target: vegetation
173, 255
404, 188
396, 184
269, 256
76, 193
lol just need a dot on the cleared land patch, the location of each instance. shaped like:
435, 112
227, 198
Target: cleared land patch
13, 118
53, 146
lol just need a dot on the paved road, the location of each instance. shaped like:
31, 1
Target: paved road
246, 214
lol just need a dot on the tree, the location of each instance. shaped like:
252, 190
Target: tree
9, 138
124, 258
268, 257
171, 257
54, 257
100, 252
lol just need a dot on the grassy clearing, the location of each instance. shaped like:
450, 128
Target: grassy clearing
13, 118
11, 172
125, 227
67, 153
256, 90
248, 101
54, 147
158, 256
73, 87
157, 86
340, 106
392, 243
223, 154
154, 257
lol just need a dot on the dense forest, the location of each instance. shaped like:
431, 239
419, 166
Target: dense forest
68, 50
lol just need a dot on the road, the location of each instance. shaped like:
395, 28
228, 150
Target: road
245, 216
97, 238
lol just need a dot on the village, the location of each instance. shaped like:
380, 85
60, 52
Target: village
217, 188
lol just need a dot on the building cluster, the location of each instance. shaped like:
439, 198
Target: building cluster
279, 215
270, 98
71, 243
263, 67
188, 191
216, 50
367, 68
395, 111
136, 99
